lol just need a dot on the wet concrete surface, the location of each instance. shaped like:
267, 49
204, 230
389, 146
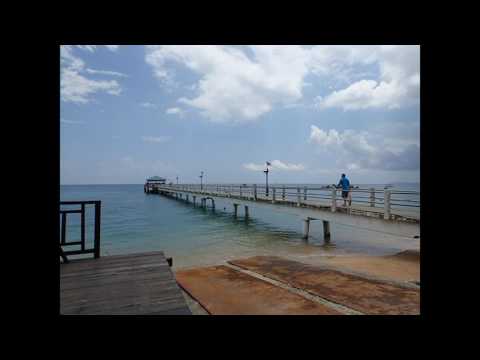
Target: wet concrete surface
365, 295
224, 291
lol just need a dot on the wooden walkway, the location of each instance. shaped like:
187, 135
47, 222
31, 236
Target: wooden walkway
134, 284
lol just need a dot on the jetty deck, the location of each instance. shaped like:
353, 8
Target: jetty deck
388, 204
134, 284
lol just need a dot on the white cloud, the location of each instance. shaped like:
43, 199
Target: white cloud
174, 111
232, 85
105, 72
275, 165
398, 85
92, 48
240, 84
71, 121
158, 139
362, 150
74, 86
148, 105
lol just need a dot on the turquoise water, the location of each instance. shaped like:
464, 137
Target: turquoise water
133, 221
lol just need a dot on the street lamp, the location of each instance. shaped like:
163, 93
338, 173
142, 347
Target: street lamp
201, 180
266, 178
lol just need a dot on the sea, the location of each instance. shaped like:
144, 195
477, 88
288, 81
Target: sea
132, 222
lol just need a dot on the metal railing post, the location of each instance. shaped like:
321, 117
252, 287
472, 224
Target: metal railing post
97, 229
82, 227
386, 204
372, 197
334, 199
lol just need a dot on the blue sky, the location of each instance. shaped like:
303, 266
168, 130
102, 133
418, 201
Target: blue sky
130, 112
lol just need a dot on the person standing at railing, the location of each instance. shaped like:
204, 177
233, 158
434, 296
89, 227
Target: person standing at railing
344, 183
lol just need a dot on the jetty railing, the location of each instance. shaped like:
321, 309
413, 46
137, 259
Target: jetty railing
389, 203
63, 232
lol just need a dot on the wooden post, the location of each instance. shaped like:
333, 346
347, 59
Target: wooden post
306, 228
246, 212
386, 204
283, 193
273, 196
334, 199
96, 240
298, 196
305, 193
255, 191
326, 231
372, 197
235, 209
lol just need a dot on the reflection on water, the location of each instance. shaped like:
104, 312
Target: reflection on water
134, 222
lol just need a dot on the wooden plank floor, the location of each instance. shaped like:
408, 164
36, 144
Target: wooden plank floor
134, 284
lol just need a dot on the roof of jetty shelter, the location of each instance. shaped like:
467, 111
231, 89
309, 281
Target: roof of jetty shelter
156, 178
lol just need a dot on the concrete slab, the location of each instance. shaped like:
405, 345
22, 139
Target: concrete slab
365, 295
225, 291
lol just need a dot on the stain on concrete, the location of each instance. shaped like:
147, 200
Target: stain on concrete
224, 291
365, 295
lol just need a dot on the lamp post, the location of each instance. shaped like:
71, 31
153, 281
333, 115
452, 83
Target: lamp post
201, 180
266, 178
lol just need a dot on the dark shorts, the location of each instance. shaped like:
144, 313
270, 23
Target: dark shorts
344, 194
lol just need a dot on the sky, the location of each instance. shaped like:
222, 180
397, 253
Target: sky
128, 112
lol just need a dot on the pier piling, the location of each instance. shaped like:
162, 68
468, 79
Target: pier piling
306, 228
246, 212
235, 209
326, 231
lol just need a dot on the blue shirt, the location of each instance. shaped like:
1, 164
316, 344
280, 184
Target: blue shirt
345, 184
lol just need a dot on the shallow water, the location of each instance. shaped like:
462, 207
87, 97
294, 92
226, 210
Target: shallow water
133, 222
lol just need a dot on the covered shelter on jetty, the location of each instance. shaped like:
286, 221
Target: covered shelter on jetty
152, 183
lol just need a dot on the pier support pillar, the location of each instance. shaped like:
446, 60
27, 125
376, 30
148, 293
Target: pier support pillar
298, 196
246, 212
187, 198
213, 205
306, 228
372, 197
273, 196
326, 231
235, 209
283, 193
194, 199
334, 199
255, 191
240, 190
305, 193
